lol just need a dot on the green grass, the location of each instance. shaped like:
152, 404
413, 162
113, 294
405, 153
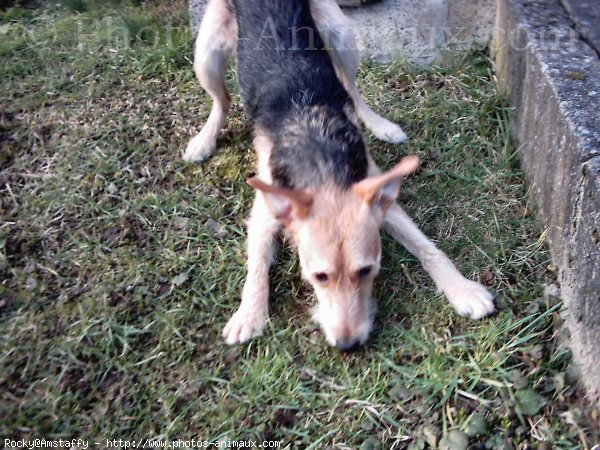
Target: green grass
76, 6
120, 263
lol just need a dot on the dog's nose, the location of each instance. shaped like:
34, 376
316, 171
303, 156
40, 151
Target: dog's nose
347, 346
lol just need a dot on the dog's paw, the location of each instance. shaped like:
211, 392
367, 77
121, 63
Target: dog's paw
389, 132
244, 324
470, 299
199, 148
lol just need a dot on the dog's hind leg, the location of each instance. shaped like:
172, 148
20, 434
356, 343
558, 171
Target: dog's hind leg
336, 31
467, 297
214, 46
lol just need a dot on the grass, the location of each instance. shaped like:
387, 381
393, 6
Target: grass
120, 263
76, 6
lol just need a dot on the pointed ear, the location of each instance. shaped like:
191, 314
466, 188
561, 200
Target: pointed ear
382, 189
285, 204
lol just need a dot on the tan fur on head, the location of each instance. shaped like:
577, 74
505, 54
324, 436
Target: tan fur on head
285, 203
340, 240
384, 188
337, 235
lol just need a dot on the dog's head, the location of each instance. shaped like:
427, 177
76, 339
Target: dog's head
336, 232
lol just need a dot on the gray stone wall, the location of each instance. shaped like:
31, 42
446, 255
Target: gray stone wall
551, 73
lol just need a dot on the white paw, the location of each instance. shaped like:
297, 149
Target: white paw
389, 132
244, 324
469, 298
200, 147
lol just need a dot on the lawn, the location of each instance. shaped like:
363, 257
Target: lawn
120, 263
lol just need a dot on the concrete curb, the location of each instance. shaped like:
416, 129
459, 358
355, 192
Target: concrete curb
551, 74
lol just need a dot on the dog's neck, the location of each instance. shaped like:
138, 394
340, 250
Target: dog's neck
315, 145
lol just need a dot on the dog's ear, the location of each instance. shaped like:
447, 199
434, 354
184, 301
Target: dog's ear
285, 204
381, 190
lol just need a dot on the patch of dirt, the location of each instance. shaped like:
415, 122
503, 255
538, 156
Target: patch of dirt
7, 141
5, 4
20, 243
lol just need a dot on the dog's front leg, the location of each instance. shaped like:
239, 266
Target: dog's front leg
467, 297
251, 317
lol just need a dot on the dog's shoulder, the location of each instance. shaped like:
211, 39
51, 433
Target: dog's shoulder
318, 145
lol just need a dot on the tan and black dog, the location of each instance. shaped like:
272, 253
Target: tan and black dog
297, 67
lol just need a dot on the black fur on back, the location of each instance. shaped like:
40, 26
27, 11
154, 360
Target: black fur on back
290, 89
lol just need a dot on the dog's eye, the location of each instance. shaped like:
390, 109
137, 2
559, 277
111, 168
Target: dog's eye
321, 277
364, 272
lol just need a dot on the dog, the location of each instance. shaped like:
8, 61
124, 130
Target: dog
297, 67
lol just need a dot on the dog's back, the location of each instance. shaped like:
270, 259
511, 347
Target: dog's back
282, 61
291, 91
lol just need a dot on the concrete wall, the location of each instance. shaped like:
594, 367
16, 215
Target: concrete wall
552, 76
